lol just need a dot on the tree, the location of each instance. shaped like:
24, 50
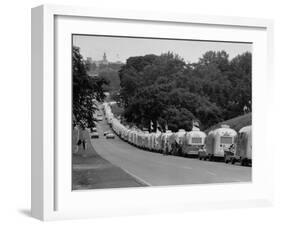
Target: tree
131, 76
178, 118
225, 83
87, 91
166, 90
217, 58
240, 77
112, 78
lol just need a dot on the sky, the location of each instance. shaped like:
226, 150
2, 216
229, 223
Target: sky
121, 48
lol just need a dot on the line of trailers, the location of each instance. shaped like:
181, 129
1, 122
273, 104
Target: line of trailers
222, 143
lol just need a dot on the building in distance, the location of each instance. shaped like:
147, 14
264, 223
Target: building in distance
95, 67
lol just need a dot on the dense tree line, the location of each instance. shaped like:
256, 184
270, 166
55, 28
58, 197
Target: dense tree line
110, 73
87, 91
107, 71
167, 91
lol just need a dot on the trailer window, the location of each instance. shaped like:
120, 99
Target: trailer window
226, 140
196, 140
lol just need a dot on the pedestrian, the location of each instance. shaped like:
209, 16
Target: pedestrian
83, 139
84, 145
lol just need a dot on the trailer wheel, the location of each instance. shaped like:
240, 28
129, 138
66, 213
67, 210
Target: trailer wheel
210, 158
225, 159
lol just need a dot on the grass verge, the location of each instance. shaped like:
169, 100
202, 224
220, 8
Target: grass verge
90, 171
235, 123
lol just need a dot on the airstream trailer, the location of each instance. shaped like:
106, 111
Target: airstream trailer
146, 138
171, 143
219, 142
157, 142
135, 137
194, 141
124, 133
115, 124
244, 146
130, 136
140, 139
178, 142
151, 141
166, 142
109, 118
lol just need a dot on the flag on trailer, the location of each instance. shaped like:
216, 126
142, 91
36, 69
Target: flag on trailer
166, 126
151, 126
195, 123
158, 129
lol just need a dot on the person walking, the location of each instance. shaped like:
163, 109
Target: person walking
84, 141
82, 138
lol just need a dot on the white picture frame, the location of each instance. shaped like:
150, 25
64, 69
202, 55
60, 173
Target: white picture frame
51, 197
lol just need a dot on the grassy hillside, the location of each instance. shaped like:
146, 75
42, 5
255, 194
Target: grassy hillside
235, 123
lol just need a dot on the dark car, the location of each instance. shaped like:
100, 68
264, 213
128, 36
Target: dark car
95, 135
99, 118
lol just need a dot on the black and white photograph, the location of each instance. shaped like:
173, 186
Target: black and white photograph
160, 112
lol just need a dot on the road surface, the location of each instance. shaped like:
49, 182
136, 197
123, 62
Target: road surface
155, 169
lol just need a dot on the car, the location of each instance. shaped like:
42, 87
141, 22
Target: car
202, 153
93, 129
95, 135
110, 136
99, 118
106, 132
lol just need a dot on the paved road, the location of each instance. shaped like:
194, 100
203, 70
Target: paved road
155, 169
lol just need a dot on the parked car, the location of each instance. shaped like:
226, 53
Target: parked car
95, 135
110, 136
106, 132
93, 129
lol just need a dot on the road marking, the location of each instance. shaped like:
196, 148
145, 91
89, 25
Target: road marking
213, 174
187, 167
136, 177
